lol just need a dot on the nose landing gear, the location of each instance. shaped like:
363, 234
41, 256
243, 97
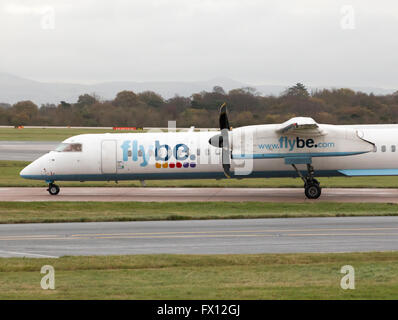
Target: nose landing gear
312, 187
53, 189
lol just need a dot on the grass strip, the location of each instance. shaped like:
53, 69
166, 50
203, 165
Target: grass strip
48, 134
44, 212
259, 276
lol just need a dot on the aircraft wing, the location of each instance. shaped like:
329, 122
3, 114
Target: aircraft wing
300, 125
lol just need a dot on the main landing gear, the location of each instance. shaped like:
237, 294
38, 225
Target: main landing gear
312, 188
53, 189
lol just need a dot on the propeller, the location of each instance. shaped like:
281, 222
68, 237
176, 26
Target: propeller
223, 117
222, 140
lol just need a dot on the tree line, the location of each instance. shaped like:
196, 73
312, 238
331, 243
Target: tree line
246, 107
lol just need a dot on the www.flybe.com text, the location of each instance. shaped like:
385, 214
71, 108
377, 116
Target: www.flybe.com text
298, 143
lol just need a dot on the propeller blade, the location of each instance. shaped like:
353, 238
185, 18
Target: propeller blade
222, 140
223, 118
226, 153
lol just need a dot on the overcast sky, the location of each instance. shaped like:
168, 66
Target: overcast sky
317, 42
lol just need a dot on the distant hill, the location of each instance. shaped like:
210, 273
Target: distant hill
14, 89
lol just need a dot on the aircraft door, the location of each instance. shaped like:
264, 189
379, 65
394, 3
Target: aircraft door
242, 146
108, 156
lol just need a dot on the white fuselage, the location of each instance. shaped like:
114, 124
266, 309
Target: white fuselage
256, 151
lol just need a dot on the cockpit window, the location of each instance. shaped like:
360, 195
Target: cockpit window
69, 147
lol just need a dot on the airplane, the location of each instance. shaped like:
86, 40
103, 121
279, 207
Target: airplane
299, 147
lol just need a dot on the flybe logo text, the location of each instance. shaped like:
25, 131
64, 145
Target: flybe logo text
297, 142
161, 152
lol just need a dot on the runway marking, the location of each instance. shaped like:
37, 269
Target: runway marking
209, 235
53, 238
212, 233
245, 235
342, 234
28, 254
233, 231
31, 236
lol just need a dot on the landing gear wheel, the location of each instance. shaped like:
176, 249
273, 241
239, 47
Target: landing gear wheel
312, 190
53, 189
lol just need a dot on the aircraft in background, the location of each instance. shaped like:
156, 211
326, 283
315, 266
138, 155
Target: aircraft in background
298, 147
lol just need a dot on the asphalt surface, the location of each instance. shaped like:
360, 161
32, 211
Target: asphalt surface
25, 150
288, 235
197, 194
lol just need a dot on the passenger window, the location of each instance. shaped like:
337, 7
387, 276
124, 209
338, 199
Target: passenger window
69, 147
392, 148
383, 148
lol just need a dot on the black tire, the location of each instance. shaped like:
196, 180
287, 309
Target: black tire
53, 189
313, 191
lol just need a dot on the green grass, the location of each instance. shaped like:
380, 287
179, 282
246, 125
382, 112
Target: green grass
45, 134
9, 177
35, 212
52, 134
260, 276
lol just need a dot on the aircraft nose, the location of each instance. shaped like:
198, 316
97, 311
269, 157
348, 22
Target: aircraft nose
27, 171
31, 171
